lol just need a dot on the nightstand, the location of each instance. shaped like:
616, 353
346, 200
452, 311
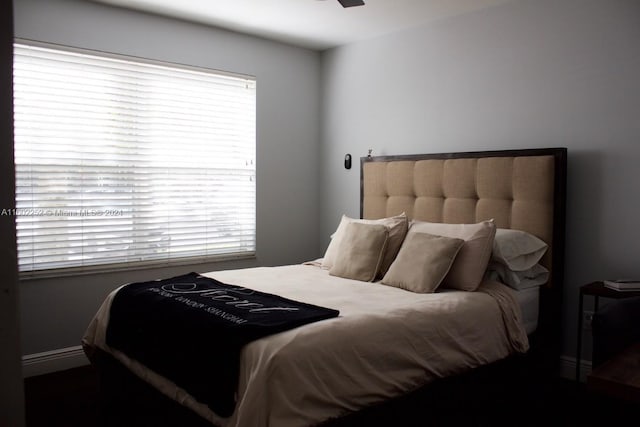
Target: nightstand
597, 290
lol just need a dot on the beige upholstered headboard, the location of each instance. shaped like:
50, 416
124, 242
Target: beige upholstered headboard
522, 189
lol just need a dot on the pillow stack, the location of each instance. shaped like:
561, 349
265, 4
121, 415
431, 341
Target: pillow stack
516, 259
422, 256
419, 257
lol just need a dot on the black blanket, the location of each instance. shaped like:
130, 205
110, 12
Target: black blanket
191, 329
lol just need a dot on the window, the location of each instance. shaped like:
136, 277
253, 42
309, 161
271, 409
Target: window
124, 161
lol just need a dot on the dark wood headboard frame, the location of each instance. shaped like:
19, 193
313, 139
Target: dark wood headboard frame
546, 341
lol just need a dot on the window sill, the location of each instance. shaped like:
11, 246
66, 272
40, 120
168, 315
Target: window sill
143, 265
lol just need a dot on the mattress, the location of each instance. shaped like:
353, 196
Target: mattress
385, 343
529, 302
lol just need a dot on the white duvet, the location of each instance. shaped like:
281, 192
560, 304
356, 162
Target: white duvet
386, 342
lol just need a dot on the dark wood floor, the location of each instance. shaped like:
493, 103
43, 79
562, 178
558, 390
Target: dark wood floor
70, 399
67, 398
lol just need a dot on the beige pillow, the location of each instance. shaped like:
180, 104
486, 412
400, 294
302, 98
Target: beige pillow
397, 225
361, 251
470, 264
422, 262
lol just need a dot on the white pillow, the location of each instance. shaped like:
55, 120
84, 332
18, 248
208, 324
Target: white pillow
470, 264
517, 249
397, 226
519, 280
422, 262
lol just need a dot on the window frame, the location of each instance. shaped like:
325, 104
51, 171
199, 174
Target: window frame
151, 263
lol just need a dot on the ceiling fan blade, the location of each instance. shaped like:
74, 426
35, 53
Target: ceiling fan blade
350, 3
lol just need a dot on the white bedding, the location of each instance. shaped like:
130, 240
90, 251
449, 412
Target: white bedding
386, 342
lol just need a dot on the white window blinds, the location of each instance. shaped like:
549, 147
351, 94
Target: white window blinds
120, 161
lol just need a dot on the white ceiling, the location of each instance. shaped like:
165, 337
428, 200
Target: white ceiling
314, 24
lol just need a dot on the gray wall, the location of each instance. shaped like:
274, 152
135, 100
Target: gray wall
11, 387
55, 312
530, 73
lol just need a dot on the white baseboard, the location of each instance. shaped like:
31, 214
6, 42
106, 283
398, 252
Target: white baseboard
53, 361
568, 368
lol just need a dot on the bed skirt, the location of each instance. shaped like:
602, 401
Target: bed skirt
496, 392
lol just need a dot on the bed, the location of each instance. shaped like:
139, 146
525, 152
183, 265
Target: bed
397, 333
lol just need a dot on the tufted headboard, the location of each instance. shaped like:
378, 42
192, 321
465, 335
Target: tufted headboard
519, 189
